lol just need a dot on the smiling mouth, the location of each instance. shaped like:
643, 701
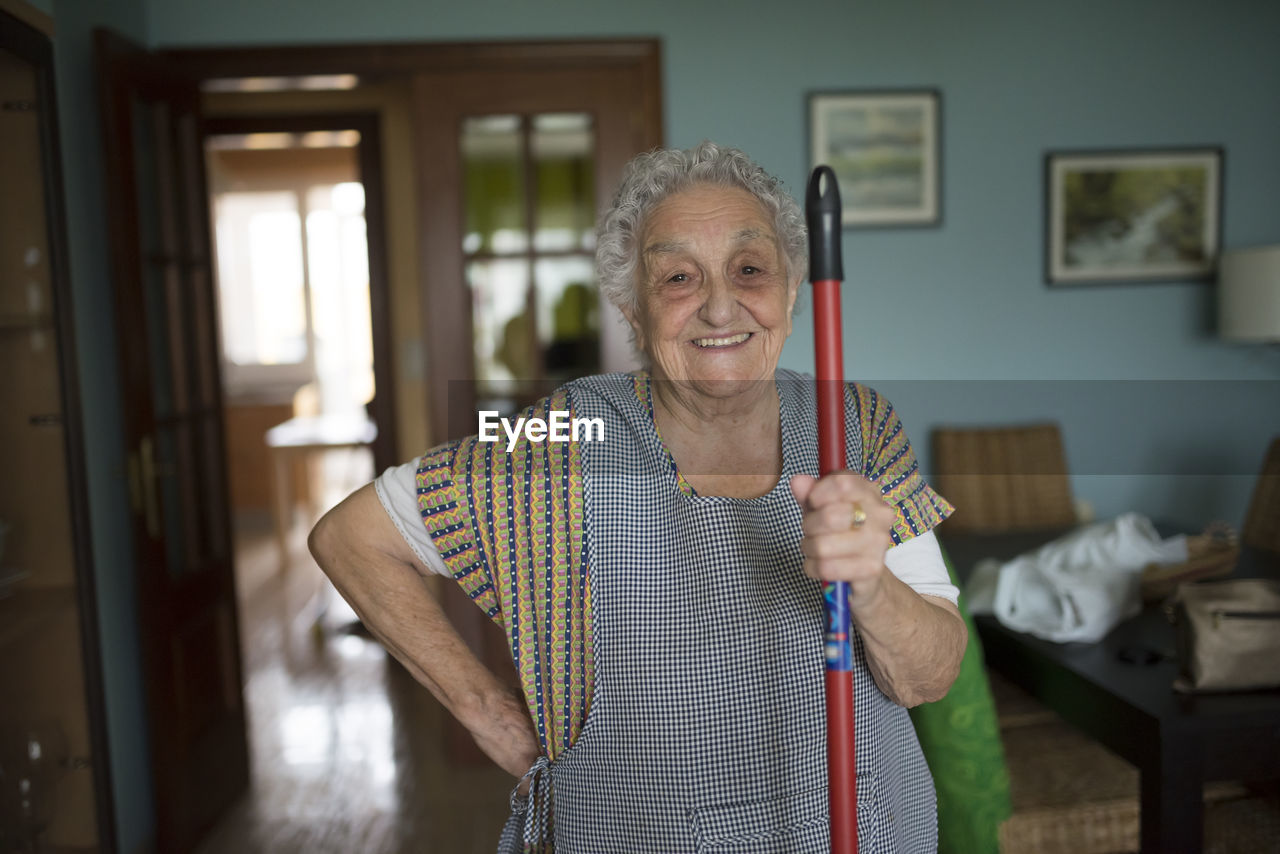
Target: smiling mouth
729, 341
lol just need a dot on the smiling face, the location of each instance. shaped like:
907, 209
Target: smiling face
714, 296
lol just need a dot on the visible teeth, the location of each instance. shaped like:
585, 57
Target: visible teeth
722, 342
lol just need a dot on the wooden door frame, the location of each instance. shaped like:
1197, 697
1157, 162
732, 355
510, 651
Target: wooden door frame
381, 60
369, 157
396, 60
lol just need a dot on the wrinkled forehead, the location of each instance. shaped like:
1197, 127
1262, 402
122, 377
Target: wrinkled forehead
705, 212
658, 247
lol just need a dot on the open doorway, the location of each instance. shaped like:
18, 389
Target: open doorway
295, 205
296, 208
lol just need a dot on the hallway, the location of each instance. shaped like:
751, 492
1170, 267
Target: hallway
345, 748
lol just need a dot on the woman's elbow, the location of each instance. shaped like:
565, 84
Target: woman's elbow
336, 532
325, 542
930, 692
320, 540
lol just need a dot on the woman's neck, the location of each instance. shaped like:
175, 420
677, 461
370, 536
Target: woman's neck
728, 446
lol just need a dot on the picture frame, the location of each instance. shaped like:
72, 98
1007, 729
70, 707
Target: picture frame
884, 146
1139, 215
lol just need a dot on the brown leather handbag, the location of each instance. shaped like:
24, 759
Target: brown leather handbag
1228, 634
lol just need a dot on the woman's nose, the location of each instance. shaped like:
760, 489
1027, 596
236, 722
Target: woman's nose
719, 302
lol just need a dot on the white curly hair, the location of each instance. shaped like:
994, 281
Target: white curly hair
653, 176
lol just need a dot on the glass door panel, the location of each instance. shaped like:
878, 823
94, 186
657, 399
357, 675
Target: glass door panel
164, 460
528, 242
503, 331
561, 148
151, 219
494, 185
568, 317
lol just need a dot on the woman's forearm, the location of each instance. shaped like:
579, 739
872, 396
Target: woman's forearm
913, 643
369, 563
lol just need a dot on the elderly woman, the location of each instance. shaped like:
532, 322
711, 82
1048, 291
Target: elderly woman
659, 586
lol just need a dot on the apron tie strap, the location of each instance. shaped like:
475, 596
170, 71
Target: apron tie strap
536, 805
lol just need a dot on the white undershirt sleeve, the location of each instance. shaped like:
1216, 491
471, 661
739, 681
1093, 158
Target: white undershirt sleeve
918, 563
397, 489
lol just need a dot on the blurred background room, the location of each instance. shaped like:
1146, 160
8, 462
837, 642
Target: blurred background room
253, 253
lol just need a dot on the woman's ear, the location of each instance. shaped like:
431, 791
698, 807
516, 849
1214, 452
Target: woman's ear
793, 293
631, 313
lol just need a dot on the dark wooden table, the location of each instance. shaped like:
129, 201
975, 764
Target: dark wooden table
1178, 742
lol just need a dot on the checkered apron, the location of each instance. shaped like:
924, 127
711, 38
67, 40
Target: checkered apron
706, 730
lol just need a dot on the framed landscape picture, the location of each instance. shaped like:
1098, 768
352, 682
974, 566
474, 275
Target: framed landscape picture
1125, 216
883, 147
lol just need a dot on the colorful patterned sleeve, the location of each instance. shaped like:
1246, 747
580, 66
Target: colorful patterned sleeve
447, 492
509, 528
889, 461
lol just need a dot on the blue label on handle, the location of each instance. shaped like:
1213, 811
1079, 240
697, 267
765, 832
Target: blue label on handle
839, 626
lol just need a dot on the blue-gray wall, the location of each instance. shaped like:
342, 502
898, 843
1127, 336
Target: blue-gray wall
955, 322
965, 301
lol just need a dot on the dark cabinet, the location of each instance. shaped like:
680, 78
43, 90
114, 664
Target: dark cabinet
54, 789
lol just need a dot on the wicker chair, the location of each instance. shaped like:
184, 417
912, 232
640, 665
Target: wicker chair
1262, 525
1003, 478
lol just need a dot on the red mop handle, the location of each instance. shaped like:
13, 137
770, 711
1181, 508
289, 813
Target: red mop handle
822, 208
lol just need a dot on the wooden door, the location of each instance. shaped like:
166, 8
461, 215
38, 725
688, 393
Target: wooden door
167, 338
615, 104
621, 102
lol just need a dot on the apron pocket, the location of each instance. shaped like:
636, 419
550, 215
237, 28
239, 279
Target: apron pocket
776, 824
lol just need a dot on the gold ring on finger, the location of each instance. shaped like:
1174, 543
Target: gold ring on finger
859, 517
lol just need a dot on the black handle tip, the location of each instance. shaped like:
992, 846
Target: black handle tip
822, 212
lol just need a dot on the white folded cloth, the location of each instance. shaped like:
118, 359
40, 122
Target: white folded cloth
1077, 587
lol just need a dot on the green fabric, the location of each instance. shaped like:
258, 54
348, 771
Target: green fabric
960, 737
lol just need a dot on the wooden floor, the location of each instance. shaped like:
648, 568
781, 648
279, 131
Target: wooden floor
345, 747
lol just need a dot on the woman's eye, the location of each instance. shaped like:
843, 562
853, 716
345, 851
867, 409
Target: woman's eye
678, 278
749, 270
